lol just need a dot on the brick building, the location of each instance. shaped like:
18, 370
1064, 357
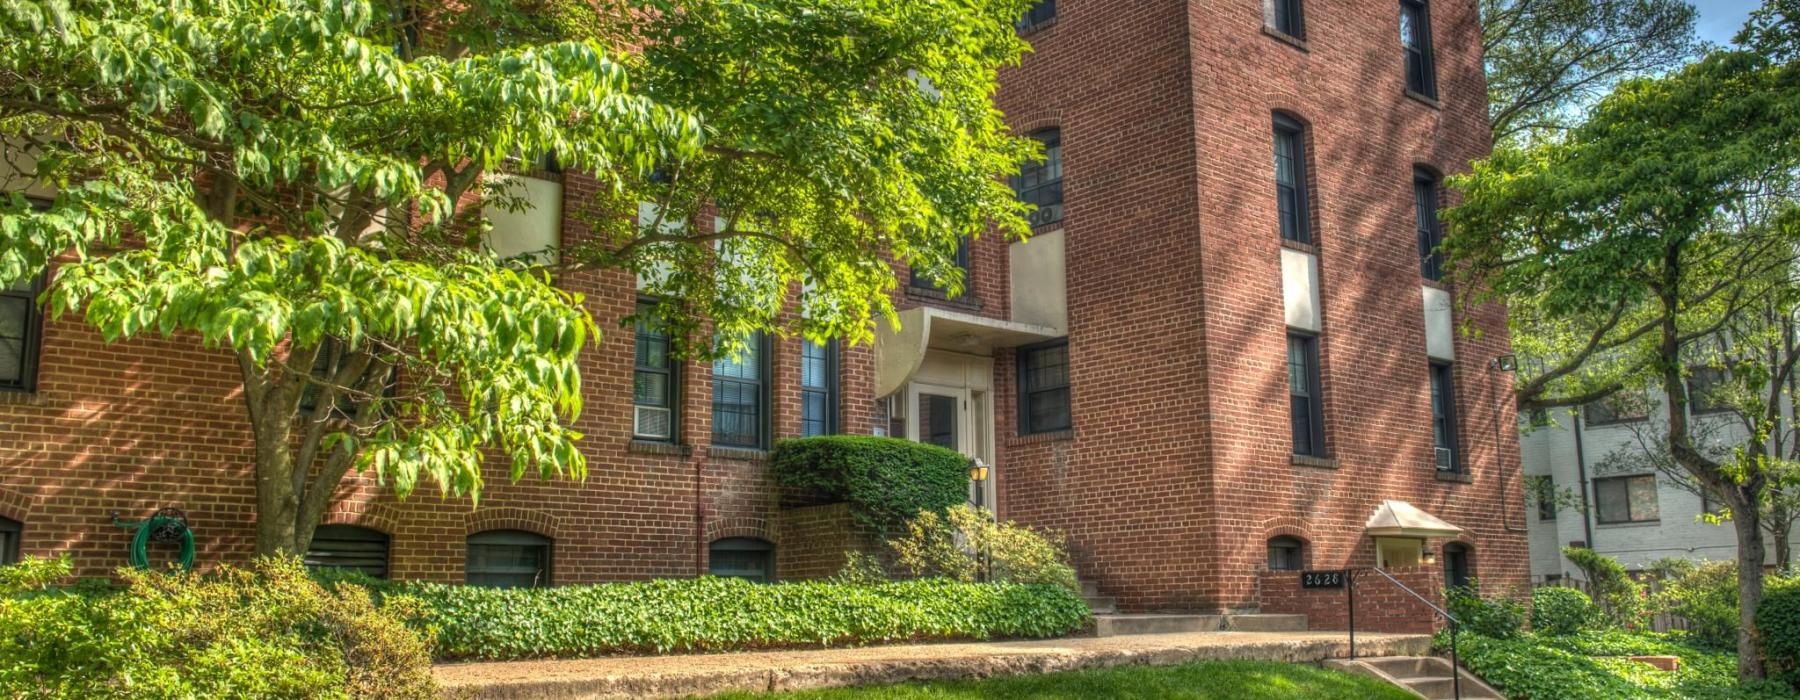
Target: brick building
1221, 352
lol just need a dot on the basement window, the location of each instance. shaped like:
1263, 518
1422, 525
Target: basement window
350, 548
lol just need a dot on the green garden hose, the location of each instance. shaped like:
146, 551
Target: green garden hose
167, 525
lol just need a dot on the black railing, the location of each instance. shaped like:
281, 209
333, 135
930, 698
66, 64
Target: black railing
1350, 601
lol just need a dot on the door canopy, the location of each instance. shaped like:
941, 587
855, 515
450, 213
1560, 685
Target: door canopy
1402, 519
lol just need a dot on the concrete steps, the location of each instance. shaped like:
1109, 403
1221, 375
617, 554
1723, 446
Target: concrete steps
1112, 625
1428, 677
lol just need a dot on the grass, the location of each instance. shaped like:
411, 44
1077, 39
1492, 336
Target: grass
1213, 680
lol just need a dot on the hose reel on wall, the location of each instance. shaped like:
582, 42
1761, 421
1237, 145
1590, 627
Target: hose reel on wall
167, 525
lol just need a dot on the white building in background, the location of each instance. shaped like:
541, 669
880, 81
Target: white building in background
1612, 499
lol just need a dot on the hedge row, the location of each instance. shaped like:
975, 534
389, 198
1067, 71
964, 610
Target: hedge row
887, 481
719, 614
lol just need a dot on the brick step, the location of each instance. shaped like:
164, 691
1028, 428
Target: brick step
1113, 625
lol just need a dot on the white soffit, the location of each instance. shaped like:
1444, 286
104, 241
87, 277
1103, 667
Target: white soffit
1402, 519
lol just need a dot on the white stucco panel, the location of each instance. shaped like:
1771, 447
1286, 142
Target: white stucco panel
1040, 284
1300, 289
1440, 330
535, 230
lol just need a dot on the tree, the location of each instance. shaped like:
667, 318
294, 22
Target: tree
299, 184
1635, 214
1546, 58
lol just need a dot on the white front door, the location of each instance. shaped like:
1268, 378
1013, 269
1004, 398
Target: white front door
952, 417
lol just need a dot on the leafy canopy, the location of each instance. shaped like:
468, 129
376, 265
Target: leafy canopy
301, 182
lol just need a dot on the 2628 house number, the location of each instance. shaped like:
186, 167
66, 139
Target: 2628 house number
1322, 579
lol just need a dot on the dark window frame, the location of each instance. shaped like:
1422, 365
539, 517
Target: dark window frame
761, 548
1296, 195
1610, 406
1458, 576
1420, 64
11, 532
1547, 509
1039, 15
1287, 543
761, 397
829, 423
1288, 17
962, 257
1600, 514
1026, 391
1427, 205
1698, 404
1444, 433
1047, 191
347, 538
1314, 397
504, 537
671, 375
32, 325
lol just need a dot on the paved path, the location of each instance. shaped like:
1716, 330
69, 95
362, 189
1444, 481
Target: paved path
685, 675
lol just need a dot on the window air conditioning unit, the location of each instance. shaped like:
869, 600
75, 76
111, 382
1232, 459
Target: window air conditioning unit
651, 422
1446, 459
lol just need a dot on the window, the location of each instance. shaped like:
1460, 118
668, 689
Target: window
742, 557
740, 397
653, 390
1457, 564
1415, 39
10, 531
349, 547
1305, 405
1706, 387
1044, 388
1626, 499
1431, 234
1040, 182
1290, 180
21, 321
1543, 490
818, 388
1443, 418
508, 559
926, 281
1039, 15
1622, 407
1285, 16
1286, 554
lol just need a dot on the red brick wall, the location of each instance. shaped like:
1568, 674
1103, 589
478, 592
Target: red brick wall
1178, 469
1381, 606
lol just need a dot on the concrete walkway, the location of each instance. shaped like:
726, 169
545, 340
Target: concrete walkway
688, 675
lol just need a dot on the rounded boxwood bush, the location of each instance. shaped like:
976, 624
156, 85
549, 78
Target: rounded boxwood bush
886, 481
1778, 619
1562, 611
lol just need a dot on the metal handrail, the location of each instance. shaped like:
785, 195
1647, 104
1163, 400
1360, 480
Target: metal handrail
1350, 598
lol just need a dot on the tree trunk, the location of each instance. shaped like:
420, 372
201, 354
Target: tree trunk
1750, 590
1781, 538
277, 504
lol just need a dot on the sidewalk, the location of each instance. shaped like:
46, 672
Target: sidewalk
685, 675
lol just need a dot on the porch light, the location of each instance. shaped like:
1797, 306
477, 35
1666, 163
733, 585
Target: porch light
978, 470
1504, 363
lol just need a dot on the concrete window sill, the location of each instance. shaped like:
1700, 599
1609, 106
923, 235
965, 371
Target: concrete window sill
1316, 462
743, 453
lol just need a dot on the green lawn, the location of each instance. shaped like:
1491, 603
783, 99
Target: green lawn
1221, 680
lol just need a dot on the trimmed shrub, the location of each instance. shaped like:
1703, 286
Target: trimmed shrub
266, 632
1778, 620
1592, 665
1561, 611
1707, 596
967, 544
885, 480
722, 614
1621, 598
1498, 618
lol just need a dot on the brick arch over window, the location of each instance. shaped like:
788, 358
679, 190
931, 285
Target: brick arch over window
14, 505
1286, 526
535, 521
379, 517
1036, 120
755, 528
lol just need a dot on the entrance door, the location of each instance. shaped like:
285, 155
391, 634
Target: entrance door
947, 417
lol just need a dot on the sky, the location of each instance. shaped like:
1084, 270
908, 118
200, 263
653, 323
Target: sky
1720, 19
